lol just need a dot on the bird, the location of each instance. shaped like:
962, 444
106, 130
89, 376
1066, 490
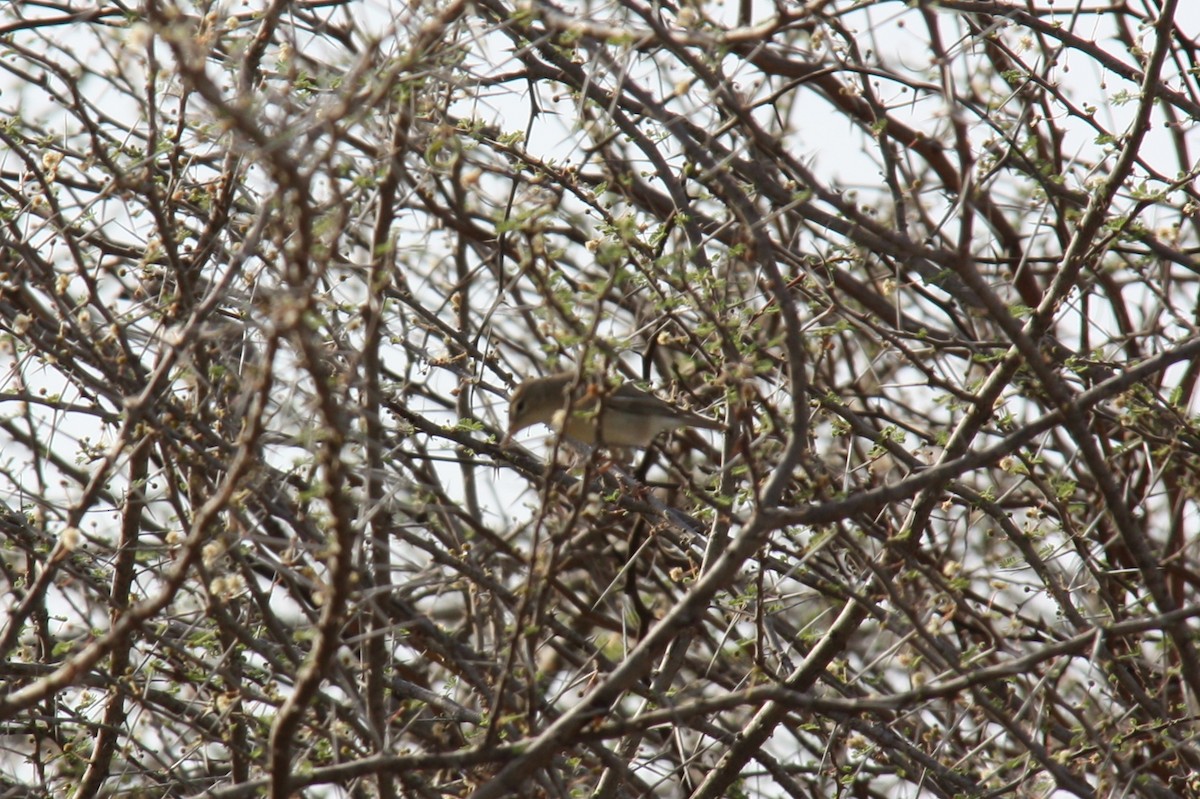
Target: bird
621, 416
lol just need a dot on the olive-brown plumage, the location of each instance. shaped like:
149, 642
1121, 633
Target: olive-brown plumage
624, 416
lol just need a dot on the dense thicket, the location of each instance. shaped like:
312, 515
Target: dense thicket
269, 270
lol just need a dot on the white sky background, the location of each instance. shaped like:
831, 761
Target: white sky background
829, 144
834, 148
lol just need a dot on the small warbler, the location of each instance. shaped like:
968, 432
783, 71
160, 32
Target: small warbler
624, 416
